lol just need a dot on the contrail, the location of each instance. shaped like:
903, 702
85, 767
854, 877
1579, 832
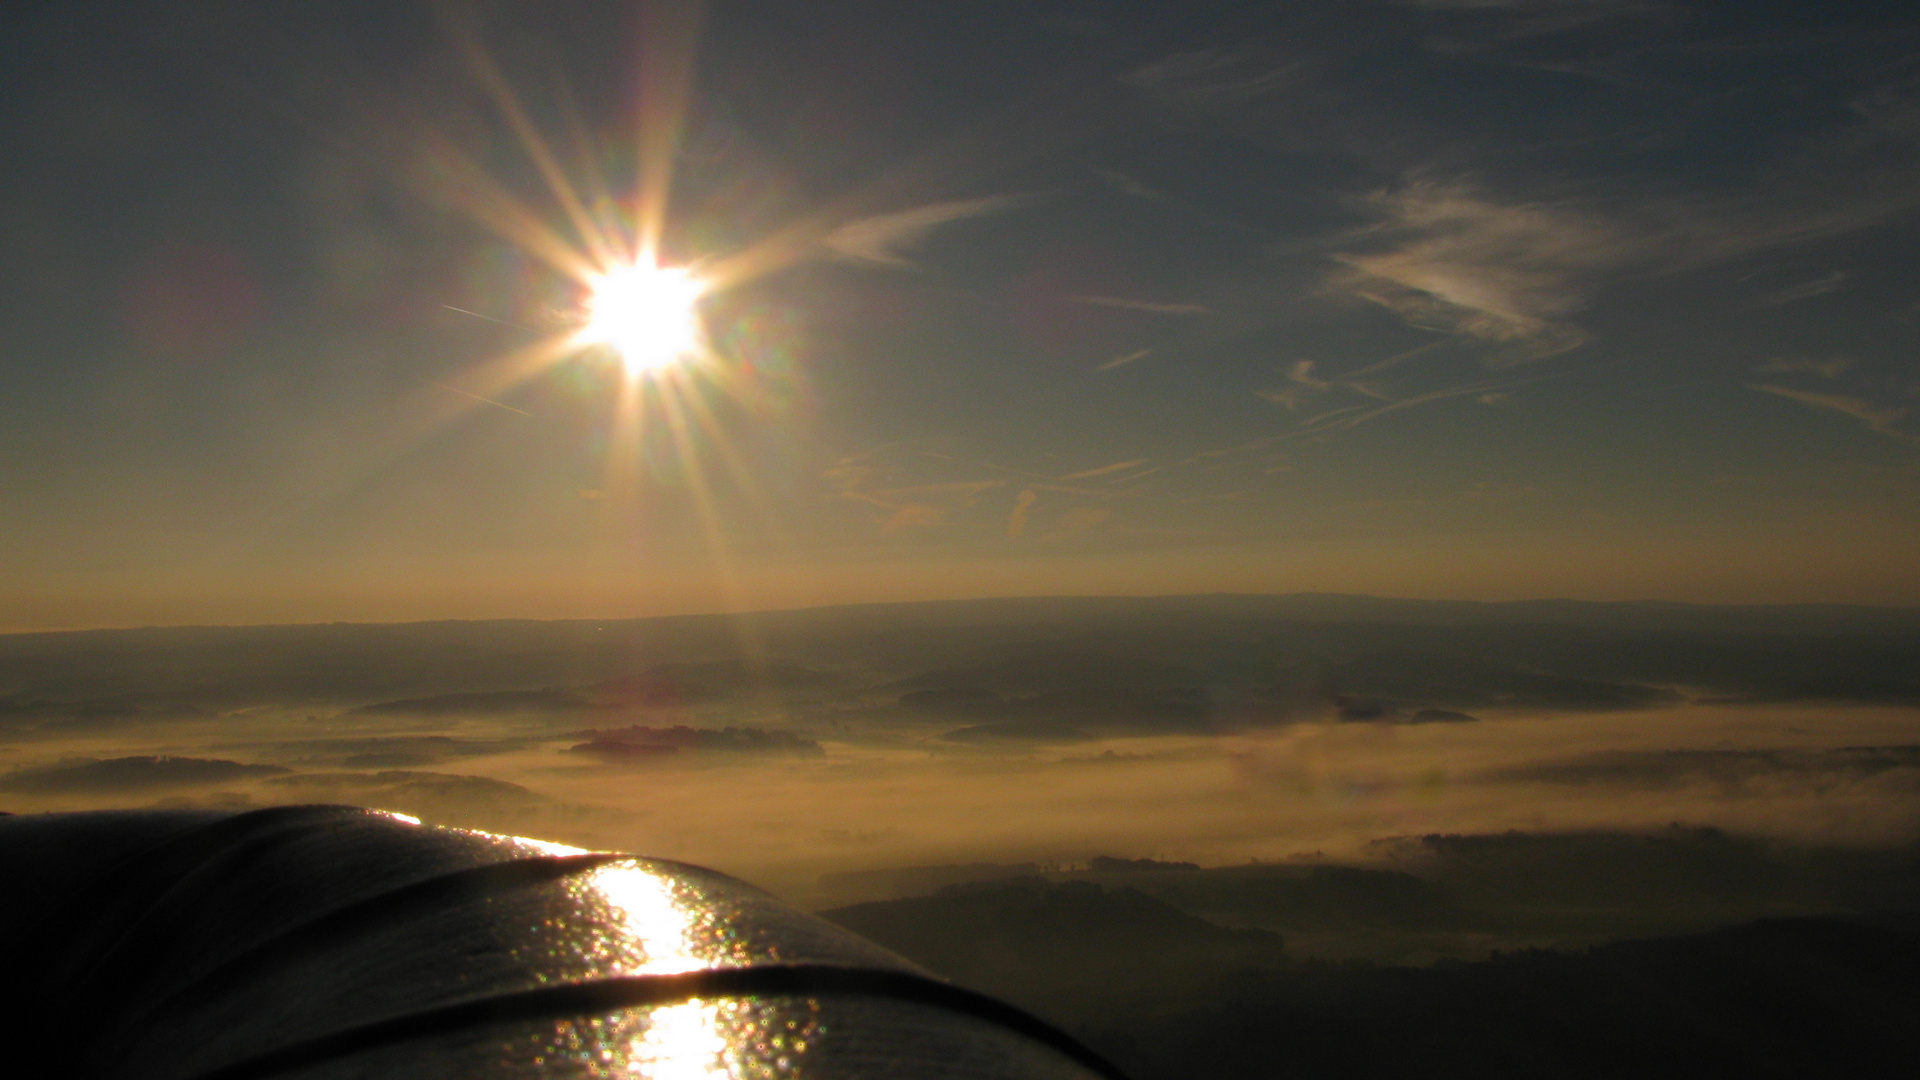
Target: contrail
489, 318
477, 397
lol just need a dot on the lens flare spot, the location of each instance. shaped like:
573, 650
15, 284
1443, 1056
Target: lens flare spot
649, 315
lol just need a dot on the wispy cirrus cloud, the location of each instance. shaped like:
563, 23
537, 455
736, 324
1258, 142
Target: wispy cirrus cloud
1879, 419
957, 491
1304, 383
1123, 360
1302, 372
900, 489
1156, 307
1212, 79
913, 517
1513, 272
1129, 185
1446, 257
880, 240
1346, 420
873, 479
1806, 290
1288, 399
1022, 506
1449, 257
1105, 470
1831, 368
1487, 392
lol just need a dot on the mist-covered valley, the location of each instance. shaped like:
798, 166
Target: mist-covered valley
1103, 809
827, 753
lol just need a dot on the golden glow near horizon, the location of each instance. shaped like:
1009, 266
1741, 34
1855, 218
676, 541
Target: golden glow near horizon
649, 314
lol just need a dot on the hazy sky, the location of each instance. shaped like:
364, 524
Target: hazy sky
1486, 298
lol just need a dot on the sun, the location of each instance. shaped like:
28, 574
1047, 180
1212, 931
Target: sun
649, 315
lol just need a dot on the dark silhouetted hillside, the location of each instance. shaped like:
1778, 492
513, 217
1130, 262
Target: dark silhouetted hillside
127, 774
1026, 938
1779, 999
485, 703
640, 741
1170, 996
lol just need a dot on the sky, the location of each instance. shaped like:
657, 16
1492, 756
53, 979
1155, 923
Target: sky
1440, 298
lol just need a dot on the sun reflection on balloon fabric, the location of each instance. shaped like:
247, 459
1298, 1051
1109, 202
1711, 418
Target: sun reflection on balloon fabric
648, 314
653, 919
682, 1042
686, 1041
649, 921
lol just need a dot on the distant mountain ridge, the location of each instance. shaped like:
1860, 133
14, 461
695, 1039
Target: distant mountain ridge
1421, 653
1312, 606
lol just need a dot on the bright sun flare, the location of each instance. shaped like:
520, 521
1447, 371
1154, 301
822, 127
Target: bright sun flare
648, 314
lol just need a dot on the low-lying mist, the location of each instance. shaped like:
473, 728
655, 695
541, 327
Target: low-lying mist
869, 754
1812, 774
